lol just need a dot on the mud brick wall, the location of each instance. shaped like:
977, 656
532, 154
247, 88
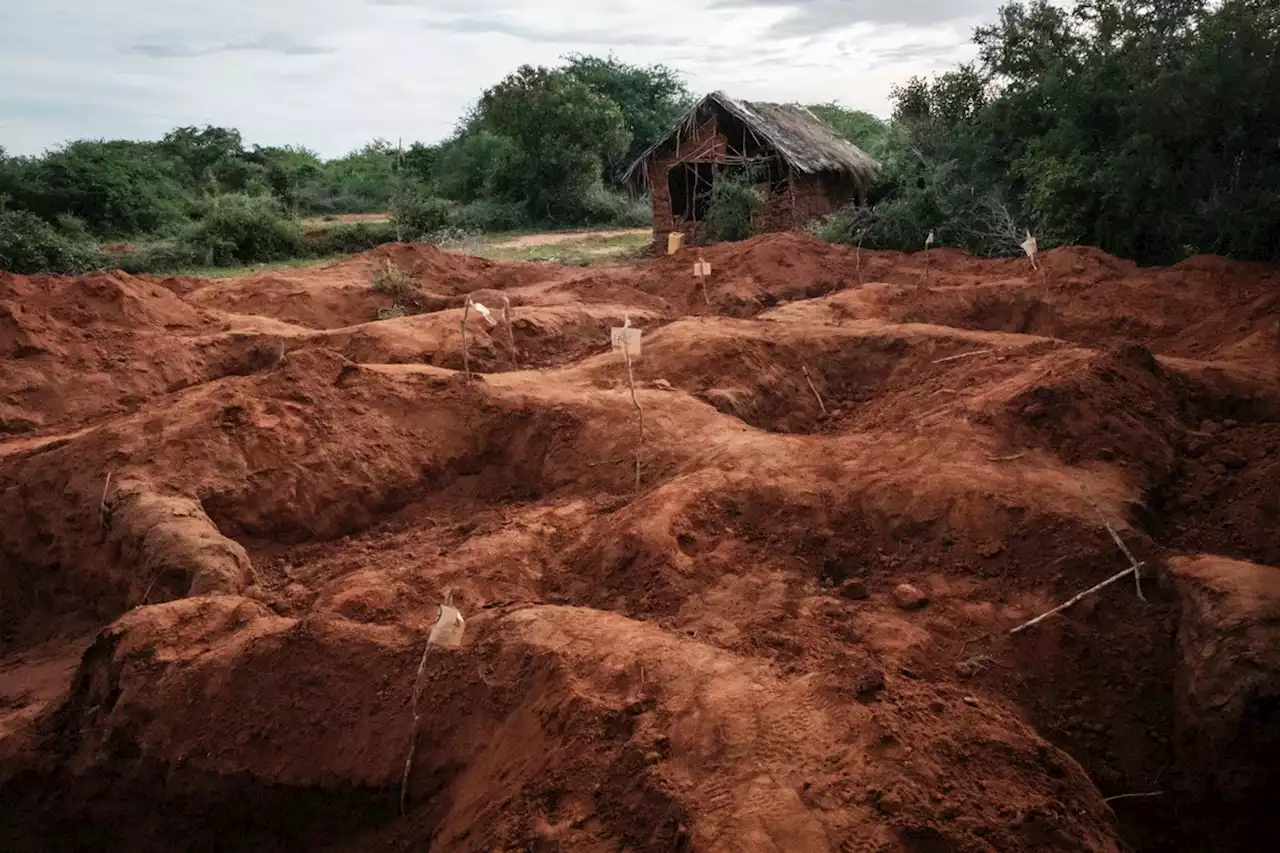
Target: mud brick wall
708, 145
804, 199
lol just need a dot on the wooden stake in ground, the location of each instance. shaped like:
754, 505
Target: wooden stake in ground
808, 379
857, 255
511, 335
1032, 248
702, 271
102, 504
413, 737
466, 360
623, 339
928, 258
446, 633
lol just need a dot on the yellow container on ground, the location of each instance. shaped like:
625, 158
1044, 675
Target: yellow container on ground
675, 242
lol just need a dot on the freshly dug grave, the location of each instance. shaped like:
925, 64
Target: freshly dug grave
793, 636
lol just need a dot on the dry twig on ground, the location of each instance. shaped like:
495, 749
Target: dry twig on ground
1074, 601
964, 355
1132, 796
1124, 549
813, 388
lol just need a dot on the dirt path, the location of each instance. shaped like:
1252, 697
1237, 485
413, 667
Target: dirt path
229, 510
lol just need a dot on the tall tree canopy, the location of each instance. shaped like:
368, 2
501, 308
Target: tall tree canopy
1151, 129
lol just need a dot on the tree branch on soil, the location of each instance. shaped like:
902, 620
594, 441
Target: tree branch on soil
1124, 549
964, 355
1132, 796
1076, 600
814, 389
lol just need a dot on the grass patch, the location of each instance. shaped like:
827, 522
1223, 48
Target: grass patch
255, 269
577, 250
334, 220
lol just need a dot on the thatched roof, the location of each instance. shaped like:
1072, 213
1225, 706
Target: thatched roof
802, 140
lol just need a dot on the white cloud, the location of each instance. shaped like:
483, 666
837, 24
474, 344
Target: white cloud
333, 74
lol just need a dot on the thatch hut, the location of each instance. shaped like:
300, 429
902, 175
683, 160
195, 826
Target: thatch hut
802, 167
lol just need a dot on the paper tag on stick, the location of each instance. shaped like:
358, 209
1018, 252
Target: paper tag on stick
1030, 246
702, 269
448, 629
630, 336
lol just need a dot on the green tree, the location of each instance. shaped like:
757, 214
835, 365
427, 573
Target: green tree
117, 188
1146, 128
287, 169
209, 157
651, 99
563, 134
864, 130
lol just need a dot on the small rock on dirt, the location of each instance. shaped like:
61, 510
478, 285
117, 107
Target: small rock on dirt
1232, 460
869, 684
889, 803
991, 549
908, 597
854, 590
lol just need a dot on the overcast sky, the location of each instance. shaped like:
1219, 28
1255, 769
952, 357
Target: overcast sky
333, 74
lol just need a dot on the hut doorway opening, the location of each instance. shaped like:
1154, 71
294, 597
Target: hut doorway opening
690, 187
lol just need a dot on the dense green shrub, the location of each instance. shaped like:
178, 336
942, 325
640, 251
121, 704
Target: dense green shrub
606, 207
415, 215
29, 245
734, 199
244, 229
490, 215
349, 239
117, 188
164, 256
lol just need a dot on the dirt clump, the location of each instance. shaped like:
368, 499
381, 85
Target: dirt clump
232, 507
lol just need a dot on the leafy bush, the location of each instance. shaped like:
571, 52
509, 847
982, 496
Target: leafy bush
490, 215
349, 239
417, 215
117, 188
73, 227
734, 200
604, 207
29, 245
390, 279
392, 313
244, 229
165, 256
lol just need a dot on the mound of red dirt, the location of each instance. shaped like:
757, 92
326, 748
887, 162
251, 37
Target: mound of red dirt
752, 592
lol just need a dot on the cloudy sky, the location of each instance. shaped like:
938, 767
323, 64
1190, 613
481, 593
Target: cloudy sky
333, 74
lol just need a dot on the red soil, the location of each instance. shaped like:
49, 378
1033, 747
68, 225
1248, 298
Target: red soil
231, 506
